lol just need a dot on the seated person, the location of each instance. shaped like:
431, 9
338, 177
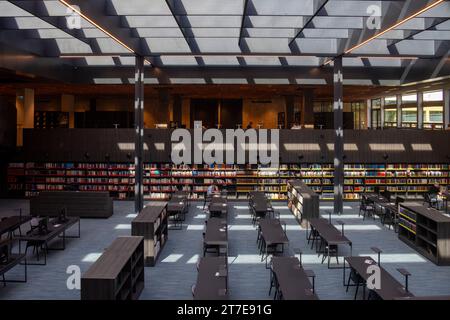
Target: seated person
433, 193
212, 189
296, 126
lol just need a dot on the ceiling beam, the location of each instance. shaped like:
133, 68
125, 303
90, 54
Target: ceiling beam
322, 4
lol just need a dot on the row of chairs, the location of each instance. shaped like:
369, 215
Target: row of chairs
388, 217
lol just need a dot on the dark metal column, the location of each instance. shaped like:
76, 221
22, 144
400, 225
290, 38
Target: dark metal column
139, 133
338, 108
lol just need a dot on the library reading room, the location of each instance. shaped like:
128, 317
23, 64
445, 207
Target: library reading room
225, 150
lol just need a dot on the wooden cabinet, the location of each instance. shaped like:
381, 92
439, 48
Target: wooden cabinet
427, 230
152, 224
118, 274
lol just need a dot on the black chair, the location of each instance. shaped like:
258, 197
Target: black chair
273, 283
389, 218
430, 199
356, 279
366, 208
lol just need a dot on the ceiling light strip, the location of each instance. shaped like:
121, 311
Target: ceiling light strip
74, 9
430, 6
434, 4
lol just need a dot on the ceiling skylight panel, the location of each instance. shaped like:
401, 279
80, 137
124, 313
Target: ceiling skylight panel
351, 8
179, 61
108, 45
268, 45
230, 45
7, 9
139, 7
220, 60
317, 46
339, 22
99, 61
274, 22
216, 32
55, 8
32, 23
285, 7
159, 32
167, 45
326, 33
52, 34
151, 22
209, 7
270, 33
72, 46
303, 61
212, 21
262, 61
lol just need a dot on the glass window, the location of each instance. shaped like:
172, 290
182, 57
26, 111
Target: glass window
409, 98
390, 117
358, 109
376, 103
433, 109
433, 96
409, 117
390, 101
433, 117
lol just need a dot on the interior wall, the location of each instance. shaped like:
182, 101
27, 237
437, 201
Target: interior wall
258, 111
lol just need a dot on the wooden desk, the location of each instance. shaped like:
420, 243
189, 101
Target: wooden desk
329, 235
292, 279
216, 233
212, 279
390, 288
37, 240
12, 223
218, 206
14, 260
272, 235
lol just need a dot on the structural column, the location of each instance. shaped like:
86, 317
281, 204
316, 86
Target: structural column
399, 111
419, 110
369, 114
446, 108
25, 112
139, 133
338, 108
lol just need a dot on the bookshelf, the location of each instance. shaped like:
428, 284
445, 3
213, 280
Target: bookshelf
118, 274
151, 223
409, 181
302, 201
426, 230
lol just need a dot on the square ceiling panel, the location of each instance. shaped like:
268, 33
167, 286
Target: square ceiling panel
167, 45
179, 61
220, 61
210, 7
138, 7
273, 22
283, 8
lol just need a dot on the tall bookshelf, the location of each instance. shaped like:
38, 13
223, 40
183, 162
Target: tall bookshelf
160, 180
426, 230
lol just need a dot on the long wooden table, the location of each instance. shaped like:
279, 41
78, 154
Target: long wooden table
35, 239
390, 288
12, 223
272, 234
212, 279
216, 233
218, 206
292, 279
329, 235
